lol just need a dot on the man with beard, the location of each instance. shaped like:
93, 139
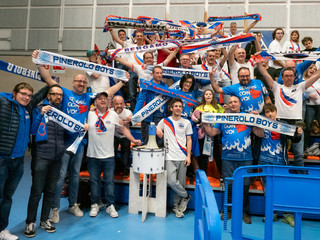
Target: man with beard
46, 162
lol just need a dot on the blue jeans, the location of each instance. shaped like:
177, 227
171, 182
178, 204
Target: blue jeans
11, 171
298, 151
45, 175
107, 166
228, 167
73, 163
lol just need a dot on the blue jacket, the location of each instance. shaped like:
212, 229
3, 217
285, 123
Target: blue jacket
147, 96
15, 124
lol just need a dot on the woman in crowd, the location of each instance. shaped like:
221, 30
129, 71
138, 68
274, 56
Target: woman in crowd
208, 104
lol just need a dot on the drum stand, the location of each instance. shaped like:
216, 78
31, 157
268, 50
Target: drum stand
146, 203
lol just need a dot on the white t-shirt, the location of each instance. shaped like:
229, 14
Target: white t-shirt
100, 144
175, 137
314, 89
289, 46
100, 84
123, 115
288, 100
274, 47
234, 70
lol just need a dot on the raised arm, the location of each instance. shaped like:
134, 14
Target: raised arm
214, 85
124, 62
44, 73
112, 90
247, 29
171, 56
231, 53
115, 37
265, 74
313, 79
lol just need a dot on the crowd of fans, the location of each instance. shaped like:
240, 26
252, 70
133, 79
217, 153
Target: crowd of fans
286, 91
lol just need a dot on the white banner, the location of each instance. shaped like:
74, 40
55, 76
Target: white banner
151, 107
249, 119
54, 59
68, 123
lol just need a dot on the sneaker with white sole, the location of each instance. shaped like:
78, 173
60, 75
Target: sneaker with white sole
46, 225
94, 210
6, 235
184, 203
112, 211
54, 217
75, 210
29, 230
177, 212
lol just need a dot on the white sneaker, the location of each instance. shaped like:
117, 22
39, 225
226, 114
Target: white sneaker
94, 210
29, 230
6, 235
112, 211
54, 217
75, 210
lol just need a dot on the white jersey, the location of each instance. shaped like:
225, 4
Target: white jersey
289, 46
123, 115
175, 137
274, 47
314, 89
288, 100
100, 84
235, 67
100, 143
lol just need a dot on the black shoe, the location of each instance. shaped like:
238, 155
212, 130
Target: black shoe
46, 225
246, 218
29, 230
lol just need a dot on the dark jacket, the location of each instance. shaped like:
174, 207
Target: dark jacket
54, 147
10, 120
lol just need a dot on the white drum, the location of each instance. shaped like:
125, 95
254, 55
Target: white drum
148, 161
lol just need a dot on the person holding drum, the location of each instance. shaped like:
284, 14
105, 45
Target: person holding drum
100, 153
177, 133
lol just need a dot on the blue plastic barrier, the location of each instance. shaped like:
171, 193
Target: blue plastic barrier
286, 190
206, 217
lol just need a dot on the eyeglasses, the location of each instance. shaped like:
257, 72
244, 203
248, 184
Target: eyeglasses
56, 94
80, 81
24, 94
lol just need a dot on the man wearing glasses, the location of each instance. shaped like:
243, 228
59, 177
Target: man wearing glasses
15, 112
46, 162
75, 103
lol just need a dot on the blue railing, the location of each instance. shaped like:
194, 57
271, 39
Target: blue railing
207, 224
290, 189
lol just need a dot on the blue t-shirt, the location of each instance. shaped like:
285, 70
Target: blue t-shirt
251, 96
236, 141
272, 148
76, 106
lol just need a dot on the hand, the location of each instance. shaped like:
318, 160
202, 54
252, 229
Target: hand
35, 53
86, 127
196, 114
254, 112
187, 161
45, 109
127, 75
159, 133
99, 60
137, 141
92, 108
313, 96
212, 72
